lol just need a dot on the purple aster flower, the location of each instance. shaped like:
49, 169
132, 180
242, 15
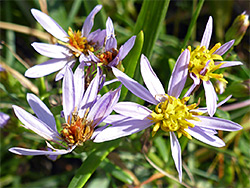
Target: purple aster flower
204, 62
4, 118
171, 114
83, 111
111, 57
71, 45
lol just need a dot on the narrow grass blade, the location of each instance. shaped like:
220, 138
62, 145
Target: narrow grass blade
92, 162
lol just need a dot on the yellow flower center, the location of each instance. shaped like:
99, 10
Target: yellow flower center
77, 43
202, 63
172, 115
77, 131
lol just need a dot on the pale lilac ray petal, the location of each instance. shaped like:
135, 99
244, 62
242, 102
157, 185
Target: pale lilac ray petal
89, 22
150, 78
190, 90
79, 83
50, 25
132, 109
41, 111
51, 50
216, 123
24, 151
123, 128
211, 97
114, 118
204, 110
133, 86
125, 48
179, 74
61, 73
203, 136
228, 63
224, 48
4, 118
110, 82
93, 35
98, 131
68, 93
207, 33
208, 131
176, 153
104, 106
90, 94
46, 68
35, 124
110, 36
98, 37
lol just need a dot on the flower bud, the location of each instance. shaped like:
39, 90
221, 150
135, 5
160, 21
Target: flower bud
238, 28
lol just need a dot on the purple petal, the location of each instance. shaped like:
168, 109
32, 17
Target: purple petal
211, 97
224, 48
176, 153
111, 81
51, 50
90, 95
41, 111
228, 63
50, 25
97, 131
207, 33
4, 118
46, 68
134, 87
61, 73
150, 78
68, 93
110, 36
97, 37
132, 109
24, 151
104, 106
201, 135
204, 110
79, 83
179, 74
216, 123
114, 118
124, 49
122, 128
89, 22
35, 124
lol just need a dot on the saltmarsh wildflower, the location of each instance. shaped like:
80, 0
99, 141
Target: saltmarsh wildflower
171, 114
70, 45
203, 64
83, 111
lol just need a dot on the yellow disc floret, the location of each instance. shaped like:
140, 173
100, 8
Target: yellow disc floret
202, 63
77, 43
172, 115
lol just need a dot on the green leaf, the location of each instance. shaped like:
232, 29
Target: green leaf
193, 23
161, 145
131, 60
92, 162
150, 21
116, 171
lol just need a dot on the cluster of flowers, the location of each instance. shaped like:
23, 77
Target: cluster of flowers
84, 109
